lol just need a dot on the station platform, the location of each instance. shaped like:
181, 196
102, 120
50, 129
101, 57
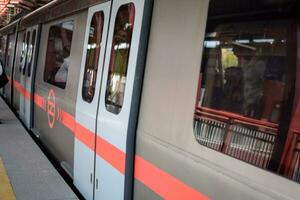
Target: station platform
25, 172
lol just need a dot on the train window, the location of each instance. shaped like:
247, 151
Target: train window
8, 54
247, 80
92, 56
30, 53
119, 58
26, 49
58, 53
23, 52
3, 41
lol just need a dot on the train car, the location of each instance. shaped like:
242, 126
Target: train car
143, 99
7, 55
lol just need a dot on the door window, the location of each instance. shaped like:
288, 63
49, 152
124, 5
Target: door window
23, 52
119, 58
30, 53
26, 50
92, 56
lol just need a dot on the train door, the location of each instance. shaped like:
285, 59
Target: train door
9, 65
115, 61
27, 76
117, 103
18, 68
87, 96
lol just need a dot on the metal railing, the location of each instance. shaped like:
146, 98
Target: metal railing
244, 138
294, 165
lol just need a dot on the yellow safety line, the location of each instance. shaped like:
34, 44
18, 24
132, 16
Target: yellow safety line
6, 191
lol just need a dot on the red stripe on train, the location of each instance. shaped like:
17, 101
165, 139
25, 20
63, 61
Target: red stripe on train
68, 120
162, 183
111, 154
40, 102
108, 152
86, 136
26, 94
159, 181
9, 79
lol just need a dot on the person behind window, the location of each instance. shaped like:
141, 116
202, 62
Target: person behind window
65, 47
253, 68
61, 74
233, 89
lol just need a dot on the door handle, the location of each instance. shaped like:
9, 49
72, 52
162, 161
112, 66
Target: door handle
96, 184
91, 178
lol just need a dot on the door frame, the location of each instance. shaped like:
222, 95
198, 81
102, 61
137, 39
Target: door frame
136, 99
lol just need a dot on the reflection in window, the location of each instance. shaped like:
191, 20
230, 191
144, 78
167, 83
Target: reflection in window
119, 58
92, 56
30, 53
229, 59
247, 82
26, 48
58, 52
242, 68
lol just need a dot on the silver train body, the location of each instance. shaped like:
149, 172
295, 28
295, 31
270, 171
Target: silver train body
145, 146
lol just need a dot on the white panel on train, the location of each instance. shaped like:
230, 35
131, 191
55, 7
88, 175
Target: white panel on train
116, 93
86, 108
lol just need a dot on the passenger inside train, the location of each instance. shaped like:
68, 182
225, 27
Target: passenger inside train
65, 43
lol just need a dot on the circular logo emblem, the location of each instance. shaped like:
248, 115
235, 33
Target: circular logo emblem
51, 108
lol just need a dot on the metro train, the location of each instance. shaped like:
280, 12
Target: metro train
164, 99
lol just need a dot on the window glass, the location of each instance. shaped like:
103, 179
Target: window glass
92, 56
9, 53
3, 41
118, 65
23, 52
247, 81
30, 53
58, 54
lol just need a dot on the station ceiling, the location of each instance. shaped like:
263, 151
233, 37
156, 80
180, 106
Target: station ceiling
13, 9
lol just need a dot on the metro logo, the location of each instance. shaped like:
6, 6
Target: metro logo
51, 108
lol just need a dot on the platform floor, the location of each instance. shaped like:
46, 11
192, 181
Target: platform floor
31, 175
